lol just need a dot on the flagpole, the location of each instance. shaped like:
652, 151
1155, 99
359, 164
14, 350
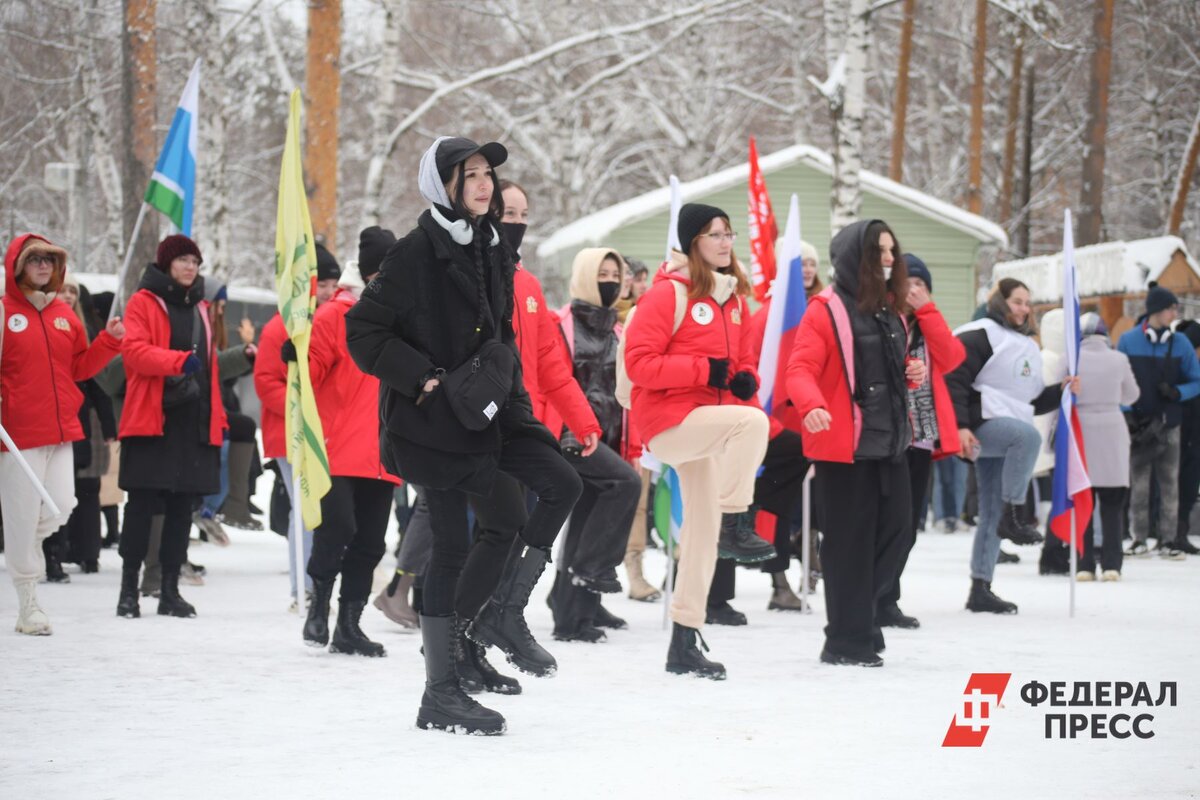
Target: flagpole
298, 545
670, 578
805, 541
1074, 563
118, 296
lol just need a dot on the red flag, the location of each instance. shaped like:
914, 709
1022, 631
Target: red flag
763, 230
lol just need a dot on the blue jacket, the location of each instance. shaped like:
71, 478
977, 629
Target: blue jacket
1173, 362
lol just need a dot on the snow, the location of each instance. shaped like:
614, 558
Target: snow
597, 226
1108, 268
232, 705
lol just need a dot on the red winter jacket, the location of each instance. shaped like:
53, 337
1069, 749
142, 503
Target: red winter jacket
818, 375
347, 398
944, 352
270, 382
547, 371
44, 354
149, 359
670, 372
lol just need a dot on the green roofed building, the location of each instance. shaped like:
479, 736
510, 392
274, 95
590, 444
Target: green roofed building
952, 242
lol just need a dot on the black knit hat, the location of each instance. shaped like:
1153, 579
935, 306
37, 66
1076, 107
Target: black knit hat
327, 265
917, 269
173, 247
373, 244
1159, 298
1191, 329
692, 219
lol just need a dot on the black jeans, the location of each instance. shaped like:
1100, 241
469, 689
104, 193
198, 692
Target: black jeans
499, 517
350, 538
1112, 500
602, 517
920, 464
528, 460
866, 510
778, 490
140, 510
83, 529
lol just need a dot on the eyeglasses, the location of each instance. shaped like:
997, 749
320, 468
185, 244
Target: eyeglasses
34, 261
718, 237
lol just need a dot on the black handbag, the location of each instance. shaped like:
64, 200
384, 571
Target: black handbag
180, 390
478, 389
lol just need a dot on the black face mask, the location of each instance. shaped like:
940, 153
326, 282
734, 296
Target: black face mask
514, 232
609, 291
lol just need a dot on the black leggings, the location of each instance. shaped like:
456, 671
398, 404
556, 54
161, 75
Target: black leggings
350, 538
527, 460
140, 510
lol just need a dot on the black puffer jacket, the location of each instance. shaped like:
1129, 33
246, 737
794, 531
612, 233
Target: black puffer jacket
424, 311
881, 390
595, 360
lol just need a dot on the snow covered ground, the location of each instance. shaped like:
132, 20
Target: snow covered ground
232, 705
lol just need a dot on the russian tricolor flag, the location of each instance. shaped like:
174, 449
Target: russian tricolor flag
788, 302
1072, 487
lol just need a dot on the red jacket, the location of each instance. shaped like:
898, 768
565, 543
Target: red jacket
547, 371
818, 375
148, 362
44, 354
347, 398
270, 381
670, 372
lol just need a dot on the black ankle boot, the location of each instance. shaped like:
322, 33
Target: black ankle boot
127, 603
982, 599
348, 638
170, 604
489, 678
603, 618
890, 616
1015, 529
316, 625
445, 706
54, 569
685, 658
468, 676
501, 622
739, 541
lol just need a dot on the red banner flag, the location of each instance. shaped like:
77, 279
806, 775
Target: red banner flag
763, 230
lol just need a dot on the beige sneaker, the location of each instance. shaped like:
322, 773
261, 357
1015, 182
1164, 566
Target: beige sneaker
1084, 577
1110, 575
31, 619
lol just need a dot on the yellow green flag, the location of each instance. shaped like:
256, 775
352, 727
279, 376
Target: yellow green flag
296, 281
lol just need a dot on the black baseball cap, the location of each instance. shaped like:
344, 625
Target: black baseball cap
458, 149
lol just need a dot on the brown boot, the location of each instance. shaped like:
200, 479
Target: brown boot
393, 602
783, 598
639, 588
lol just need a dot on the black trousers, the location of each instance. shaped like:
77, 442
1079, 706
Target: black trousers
83, 529
140, 509
920, 464
866, 509
528, 461
1189, 484
1112, 500
499, 517
604, 513
350, 538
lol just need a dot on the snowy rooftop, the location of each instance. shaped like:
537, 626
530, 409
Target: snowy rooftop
97, 282
1108, 268
599, 225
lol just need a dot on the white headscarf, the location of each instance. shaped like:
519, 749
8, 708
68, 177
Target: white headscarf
433, 190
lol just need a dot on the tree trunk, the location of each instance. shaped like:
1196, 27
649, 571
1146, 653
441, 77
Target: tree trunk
1010, 130
1184, 181
975, 145
1091, 194
395, 16
900, 114
1027, 165
212, 222
323, 82
847, 150
139, 94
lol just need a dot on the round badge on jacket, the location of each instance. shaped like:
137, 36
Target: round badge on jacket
18, 323
702, 313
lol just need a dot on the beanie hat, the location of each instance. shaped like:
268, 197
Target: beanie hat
373, 244
327, 265
1091, 324
173, 247
1159, 298
1191, 329
215, 292
917, 269
692, 219
807, 251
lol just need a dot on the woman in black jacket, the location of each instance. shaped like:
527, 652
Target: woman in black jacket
443, 293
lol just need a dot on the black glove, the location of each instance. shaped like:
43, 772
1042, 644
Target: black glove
743, 385
191, 364
718, 373
1168, 392
288, 351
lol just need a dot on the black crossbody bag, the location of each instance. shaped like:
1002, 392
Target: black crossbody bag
479, 388
179, 390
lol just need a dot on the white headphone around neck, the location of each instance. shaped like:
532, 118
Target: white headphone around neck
460, 230
1155, 336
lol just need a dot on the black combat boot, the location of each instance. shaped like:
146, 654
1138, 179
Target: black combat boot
316, 625
489, 677
982, 599
348, 638
127, 603
890, 616
170, 604
445, 706
464, 665
739, 541
685, 658
501, 622
1015, 529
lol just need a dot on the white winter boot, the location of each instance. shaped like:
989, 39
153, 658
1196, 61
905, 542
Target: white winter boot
31, 619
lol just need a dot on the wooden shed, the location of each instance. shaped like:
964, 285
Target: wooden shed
1113, 278
950, 241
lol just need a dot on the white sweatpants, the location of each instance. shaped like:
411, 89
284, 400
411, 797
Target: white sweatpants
27, 520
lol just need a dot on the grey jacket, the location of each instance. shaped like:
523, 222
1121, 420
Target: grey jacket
1106, 383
